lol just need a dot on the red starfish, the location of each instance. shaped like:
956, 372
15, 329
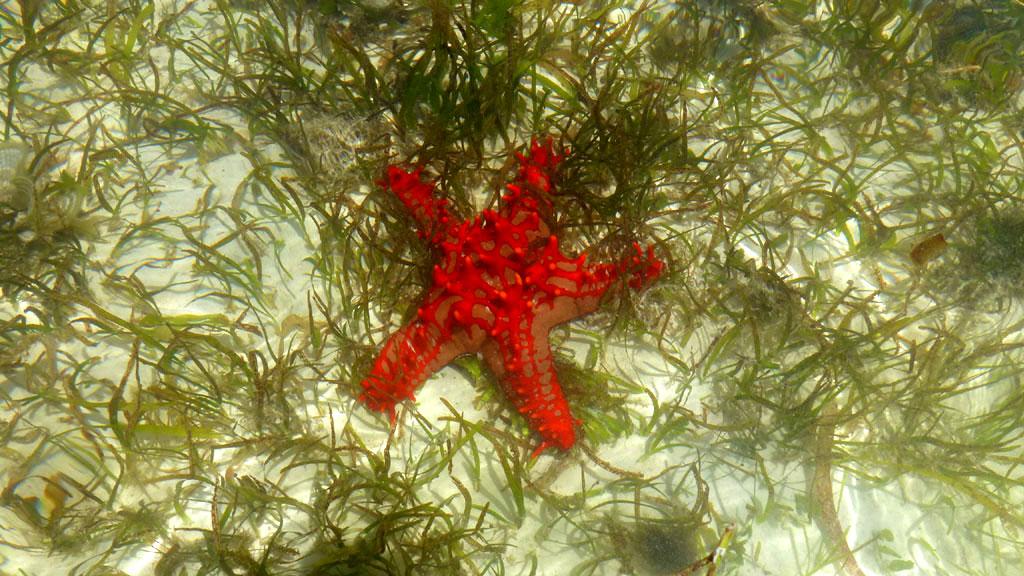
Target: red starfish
500, 285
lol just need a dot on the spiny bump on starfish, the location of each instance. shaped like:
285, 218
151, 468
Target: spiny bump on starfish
500, 283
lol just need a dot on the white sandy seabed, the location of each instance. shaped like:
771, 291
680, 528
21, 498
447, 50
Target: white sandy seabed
774, 544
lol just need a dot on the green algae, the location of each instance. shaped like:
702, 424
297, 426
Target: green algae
180, 352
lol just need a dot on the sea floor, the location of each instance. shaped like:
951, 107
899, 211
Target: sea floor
198, 269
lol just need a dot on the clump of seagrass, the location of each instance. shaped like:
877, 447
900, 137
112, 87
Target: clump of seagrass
987, 267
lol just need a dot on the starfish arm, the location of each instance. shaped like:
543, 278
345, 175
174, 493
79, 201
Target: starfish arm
577, 288
534, 182
521, 360
409, 357
429, 211
537, 167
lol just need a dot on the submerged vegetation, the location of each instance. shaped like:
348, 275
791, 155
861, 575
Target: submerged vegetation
989, 254
196, 270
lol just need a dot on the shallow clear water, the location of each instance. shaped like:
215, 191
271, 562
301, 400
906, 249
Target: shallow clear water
198, 270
